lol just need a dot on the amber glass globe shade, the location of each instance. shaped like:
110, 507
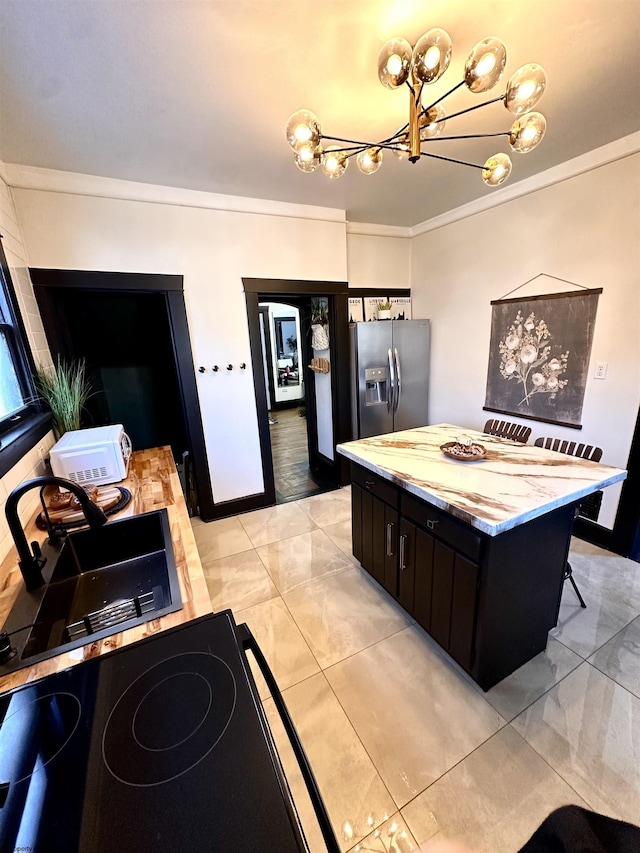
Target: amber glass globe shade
485, 65
303, 128
369, 161
432, 122
394, 63
431, 56
525, 88
307, 159
496, 170
527, 132
334, 162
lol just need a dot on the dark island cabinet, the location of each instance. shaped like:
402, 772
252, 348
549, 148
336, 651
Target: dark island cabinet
438, 587
374, 509
489, 601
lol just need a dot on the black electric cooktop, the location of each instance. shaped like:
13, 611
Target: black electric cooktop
159, 746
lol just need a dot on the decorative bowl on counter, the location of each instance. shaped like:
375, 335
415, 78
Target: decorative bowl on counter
466, 452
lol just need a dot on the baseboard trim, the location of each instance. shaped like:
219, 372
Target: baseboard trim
239, 506
594, 533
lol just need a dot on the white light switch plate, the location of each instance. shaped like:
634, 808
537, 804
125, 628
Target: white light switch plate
601, 370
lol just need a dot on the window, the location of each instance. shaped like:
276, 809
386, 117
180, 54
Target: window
20, 415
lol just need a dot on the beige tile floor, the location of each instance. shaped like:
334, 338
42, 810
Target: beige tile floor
407, 750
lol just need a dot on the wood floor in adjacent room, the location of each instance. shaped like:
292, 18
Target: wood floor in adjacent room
291, 472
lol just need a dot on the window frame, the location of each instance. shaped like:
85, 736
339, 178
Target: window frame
21, 430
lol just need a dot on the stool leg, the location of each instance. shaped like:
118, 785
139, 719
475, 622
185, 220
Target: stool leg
568, 575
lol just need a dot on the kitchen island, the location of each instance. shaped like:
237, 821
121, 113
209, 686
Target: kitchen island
474, 550
154, 484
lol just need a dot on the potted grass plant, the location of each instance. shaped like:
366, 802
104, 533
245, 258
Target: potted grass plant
384, 310
65, 389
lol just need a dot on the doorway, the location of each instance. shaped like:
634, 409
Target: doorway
131, 330
285, 349
296, 406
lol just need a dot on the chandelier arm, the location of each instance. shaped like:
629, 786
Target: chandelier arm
355, 145
396, 135
359, 142
467, 136
451, 160
446, 95
470, 109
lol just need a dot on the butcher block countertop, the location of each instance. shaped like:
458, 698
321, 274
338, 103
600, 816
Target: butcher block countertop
154, 484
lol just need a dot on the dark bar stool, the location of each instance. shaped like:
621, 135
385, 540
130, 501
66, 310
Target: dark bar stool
506, 429
583, 451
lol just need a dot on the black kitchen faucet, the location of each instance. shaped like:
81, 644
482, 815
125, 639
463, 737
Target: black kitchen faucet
31, 563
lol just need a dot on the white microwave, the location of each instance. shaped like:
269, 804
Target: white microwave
98, 455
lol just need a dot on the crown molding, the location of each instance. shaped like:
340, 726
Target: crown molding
51, 180
371, 229
617, 150
74, 183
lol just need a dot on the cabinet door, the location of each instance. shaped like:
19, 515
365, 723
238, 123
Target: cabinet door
356, 521
391, 520
375, 537
378, 539
422, 589
407, 565
463, 611
442, 593
453, 603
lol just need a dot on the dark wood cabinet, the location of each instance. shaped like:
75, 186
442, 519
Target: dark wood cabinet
438, 587
375, 532
489, 601
407, 565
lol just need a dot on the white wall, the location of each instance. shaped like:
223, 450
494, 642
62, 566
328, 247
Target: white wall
31, 464
378, 261
585, 230
213, 249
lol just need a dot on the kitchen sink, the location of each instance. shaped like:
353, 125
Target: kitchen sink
102, 581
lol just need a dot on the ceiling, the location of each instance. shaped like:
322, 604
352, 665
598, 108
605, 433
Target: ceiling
196, 93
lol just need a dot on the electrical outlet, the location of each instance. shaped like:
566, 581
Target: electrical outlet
601, 370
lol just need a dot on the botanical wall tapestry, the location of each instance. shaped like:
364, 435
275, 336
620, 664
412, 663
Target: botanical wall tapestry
539, 356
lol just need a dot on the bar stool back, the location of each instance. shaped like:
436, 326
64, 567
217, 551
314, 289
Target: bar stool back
583, 451
506, 429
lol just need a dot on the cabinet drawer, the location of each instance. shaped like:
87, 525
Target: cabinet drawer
458, 535
370, 482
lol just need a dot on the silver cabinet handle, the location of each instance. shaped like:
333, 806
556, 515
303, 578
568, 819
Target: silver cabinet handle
431, 523
392, 380
403, 540
369, 484
390, 539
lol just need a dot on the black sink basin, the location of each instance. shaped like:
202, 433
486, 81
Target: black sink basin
102, 582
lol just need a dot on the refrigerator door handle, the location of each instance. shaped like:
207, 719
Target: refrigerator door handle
392, 382
399, 383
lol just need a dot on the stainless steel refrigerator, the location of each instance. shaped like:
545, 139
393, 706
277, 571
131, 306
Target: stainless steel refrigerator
389, 375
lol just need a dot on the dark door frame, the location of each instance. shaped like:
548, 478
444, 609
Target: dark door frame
336, 293
264, 312
45, 281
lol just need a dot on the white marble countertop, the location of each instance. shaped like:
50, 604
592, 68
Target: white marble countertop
513, 484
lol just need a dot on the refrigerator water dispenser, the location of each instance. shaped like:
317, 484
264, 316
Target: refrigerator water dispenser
376, 386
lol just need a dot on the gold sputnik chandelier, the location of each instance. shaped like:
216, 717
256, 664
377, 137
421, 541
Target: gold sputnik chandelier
398, 64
